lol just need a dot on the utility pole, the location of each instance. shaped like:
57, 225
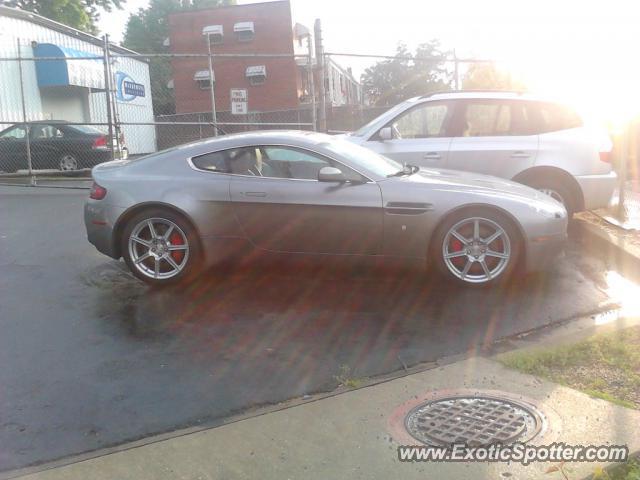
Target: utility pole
456, 73
322, 113
312, 88
212, 86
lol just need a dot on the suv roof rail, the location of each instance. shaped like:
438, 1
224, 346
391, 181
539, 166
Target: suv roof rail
472, 90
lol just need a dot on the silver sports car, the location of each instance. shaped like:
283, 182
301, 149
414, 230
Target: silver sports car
173, 212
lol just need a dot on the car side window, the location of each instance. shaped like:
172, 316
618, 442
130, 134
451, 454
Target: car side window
289, 162
271, 162
482, 119
423, 121
212, 162
16, 133
43, 132
552, 117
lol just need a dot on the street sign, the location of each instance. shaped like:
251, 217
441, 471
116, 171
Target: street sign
239, 100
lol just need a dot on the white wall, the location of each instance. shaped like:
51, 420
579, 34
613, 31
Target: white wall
140, 139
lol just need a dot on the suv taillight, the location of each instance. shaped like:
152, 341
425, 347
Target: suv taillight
97, 192
606, 148
605, 157
100, 142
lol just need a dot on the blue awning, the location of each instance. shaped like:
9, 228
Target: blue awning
73, 68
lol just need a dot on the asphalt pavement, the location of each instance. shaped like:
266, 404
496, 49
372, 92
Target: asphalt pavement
90, 357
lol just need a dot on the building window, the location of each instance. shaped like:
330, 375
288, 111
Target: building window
203, 79
257, 74
244, 31
214, 33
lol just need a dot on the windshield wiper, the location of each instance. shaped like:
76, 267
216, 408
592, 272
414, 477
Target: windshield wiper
406, 170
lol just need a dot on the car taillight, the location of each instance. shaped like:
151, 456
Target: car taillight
97, 192
100, 142
605, 157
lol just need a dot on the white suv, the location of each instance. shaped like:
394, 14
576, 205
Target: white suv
517, 136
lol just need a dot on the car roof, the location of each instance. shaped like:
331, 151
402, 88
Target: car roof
483, 94
274, 137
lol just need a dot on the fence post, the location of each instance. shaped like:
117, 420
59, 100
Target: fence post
24, 116
322, 113
107, 91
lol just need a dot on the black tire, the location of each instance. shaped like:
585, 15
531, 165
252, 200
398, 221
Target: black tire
68, 159
560, 189
193, 260
513, 245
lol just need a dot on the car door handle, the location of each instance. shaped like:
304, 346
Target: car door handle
520, 155
432, 156
255, 194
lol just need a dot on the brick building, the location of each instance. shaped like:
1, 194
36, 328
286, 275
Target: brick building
271, 83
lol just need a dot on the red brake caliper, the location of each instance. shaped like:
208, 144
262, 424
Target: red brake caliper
176, 239
456, 246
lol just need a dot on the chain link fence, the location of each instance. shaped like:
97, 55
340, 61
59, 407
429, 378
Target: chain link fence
72, 103
68, 104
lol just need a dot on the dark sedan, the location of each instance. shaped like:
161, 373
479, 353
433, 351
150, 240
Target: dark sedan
54, 145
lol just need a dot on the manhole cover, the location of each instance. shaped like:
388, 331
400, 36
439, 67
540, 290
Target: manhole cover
474, 420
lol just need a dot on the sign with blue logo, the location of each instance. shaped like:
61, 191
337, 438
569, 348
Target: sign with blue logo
127, 89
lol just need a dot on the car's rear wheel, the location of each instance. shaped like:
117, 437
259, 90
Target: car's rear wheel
160, 247
68, 163
476, 247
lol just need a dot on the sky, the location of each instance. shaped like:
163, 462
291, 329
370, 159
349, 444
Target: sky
560, 47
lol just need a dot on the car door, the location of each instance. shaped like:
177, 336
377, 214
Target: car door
281, 206
45, 145
421, 135
494, 137
13, 148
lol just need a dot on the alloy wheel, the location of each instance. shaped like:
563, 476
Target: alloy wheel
68, 163
476, 250
158, 248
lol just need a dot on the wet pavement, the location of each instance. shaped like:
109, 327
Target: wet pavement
90, 357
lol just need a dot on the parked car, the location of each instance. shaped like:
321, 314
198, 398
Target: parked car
517, 136
55, 145
308, 193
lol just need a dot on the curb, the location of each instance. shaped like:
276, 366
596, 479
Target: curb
613, 248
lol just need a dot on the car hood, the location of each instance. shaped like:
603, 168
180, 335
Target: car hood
469, 181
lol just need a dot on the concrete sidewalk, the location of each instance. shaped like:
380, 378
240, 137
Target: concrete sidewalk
356, 435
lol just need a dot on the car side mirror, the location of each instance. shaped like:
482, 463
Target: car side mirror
386, 133
331, 174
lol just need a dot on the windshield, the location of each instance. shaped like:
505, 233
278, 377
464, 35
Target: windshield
362, 131
364, 159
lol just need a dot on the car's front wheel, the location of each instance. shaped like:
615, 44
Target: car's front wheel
476, 247
160, 247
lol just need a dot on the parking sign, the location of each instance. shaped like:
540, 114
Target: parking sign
239, 100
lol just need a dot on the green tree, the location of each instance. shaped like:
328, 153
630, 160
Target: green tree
391, 81
146, 31
80, 14
487, 76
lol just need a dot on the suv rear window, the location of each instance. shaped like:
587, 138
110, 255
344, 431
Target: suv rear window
552, 117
